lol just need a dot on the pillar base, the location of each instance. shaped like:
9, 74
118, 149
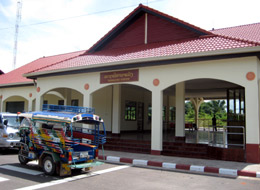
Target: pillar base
253, 153
156, 152
116, 134
180, 139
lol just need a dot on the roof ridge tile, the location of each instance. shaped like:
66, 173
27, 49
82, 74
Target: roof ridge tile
227, 28
239, 39
52, 64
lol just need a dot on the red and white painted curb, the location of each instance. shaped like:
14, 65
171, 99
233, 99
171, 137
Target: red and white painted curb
174, 166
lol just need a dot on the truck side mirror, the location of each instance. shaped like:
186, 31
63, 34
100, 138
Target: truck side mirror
5, 122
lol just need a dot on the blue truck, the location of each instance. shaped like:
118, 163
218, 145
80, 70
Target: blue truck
61, 138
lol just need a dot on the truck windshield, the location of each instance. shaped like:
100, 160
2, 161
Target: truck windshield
12, 121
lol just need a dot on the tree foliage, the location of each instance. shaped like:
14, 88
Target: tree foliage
207, 111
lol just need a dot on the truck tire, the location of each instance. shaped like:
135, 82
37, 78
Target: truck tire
22, 159
49, 166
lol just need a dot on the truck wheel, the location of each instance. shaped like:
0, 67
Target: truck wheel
22, 159
49, 165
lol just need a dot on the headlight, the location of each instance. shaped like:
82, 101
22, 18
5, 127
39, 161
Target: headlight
11, 135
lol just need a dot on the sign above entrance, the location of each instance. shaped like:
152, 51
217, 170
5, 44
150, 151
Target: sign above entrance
119, 76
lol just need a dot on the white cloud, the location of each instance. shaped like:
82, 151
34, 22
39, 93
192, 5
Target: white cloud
6, 60
49, 9
215, 14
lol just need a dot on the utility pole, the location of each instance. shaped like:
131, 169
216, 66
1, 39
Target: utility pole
17, 23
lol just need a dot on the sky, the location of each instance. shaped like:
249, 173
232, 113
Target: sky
51, 27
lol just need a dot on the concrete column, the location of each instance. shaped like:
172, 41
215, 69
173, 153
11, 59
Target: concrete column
39, 102
1, 105
167, 111
116, 109
252, 124
197, 102
67, 96
87, 100
30, 104
157, 124
180, 110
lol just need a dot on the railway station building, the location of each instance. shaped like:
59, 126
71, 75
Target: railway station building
138, 77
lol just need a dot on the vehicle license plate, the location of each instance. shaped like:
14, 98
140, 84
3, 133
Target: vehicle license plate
83, 154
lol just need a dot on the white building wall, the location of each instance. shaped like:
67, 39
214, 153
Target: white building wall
231, 70
102, 102
130, 93
26, 94
52, 99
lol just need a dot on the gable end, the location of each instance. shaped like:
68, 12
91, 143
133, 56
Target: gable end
131, 30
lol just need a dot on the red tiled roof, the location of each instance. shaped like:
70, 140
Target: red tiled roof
250, 32
204, 44
222, 39
16, 76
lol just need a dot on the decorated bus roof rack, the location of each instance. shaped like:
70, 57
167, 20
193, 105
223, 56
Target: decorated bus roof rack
69, 109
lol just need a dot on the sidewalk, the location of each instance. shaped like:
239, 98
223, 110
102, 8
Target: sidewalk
227, 168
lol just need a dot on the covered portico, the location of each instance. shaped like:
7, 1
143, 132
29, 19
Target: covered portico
154, 85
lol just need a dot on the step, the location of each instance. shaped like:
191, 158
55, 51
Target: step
128, 141
128, 149
194, 149
169, 148
129, 145
185, 154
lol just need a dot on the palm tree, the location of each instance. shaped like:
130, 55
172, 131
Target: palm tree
217, 106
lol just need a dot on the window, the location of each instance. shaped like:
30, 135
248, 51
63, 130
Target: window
164, 113
149, 113
25, 123
130, 111
14, 107
236, 105
60, 102
75, 102
172, 114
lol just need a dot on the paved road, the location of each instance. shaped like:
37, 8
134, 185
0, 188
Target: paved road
112, 176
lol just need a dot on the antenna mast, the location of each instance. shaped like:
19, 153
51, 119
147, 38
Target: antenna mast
18, 20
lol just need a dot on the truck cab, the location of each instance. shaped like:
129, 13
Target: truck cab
61, 138
9, 125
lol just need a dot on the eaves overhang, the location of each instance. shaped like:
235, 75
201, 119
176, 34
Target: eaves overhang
151, 61
18, 84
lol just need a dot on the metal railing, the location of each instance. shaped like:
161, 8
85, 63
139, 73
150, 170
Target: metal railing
227, 133
205, 123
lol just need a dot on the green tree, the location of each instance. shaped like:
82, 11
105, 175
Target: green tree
207, 111
217, 107
214, 107
189, 112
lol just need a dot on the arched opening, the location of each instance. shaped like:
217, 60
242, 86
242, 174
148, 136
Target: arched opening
126, 110
214, 117
63, 96
15, 104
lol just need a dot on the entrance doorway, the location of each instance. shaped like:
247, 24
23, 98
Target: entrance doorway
14, 107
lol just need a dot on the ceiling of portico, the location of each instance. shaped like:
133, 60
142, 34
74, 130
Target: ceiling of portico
206, 88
